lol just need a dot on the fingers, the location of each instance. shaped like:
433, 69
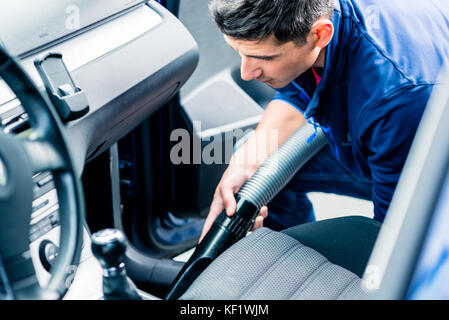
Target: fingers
228, 200
258, 222
216, 207
264, 211
206, 227
223, 198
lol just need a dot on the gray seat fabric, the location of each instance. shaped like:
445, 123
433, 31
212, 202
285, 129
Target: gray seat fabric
346, 241
270, 265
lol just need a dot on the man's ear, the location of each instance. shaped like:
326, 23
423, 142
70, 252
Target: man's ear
322, 32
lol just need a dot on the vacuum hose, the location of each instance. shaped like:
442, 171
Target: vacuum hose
275, 172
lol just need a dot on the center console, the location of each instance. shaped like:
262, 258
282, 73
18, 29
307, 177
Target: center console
84, 280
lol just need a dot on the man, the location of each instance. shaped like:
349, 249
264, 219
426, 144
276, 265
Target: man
362, 70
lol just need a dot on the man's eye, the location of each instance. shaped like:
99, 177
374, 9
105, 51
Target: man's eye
266, 58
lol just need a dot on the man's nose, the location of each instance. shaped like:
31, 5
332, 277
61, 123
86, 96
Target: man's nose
249, 70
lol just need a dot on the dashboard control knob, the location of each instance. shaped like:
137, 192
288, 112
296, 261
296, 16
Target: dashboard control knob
48, 252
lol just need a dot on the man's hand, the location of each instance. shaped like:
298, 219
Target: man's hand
224, 198
278, 116
263, 214
231, 182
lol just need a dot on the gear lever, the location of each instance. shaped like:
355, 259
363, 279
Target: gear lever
109, 246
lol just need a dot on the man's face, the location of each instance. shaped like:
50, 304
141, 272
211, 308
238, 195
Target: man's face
272, 63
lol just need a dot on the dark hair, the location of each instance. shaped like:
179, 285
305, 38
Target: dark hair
288, 20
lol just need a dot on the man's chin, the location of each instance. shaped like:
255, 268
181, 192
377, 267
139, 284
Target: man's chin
275, 84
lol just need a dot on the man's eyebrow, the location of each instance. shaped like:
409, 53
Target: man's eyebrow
262, 57
255, 56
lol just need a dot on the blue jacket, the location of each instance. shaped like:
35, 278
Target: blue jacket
381, 65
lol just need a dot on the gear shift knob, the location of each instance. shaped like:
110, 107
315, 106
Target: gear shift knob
109, 247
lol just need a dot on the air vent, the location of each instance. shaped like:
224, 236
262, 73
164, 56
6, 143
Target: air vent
13, 118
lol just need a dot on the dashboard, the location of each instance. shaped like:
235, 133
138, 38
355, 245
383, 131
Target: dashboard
129, 62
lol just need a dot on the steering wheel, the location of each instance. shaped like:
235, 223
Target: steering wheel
45, 148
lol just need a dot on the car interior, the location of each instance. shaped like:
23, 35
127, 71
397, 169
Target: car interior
91, 96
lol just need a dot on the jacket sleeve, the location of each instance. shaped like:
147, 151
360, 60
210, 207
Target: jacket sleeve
299, 104
386, 133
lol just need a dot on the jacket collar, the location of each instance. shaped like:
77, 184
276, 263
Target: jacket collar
330, 64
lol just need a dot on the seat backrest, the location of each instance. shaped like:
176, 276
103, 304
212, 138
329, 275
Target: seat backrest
393, 261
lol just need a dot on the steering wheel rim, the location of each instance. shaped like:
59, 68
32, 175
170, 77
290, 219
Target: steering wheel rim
45, 149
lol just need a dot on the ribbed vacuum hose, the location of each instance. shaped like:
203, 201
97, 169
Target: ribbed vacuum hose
275, 172
278, 169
